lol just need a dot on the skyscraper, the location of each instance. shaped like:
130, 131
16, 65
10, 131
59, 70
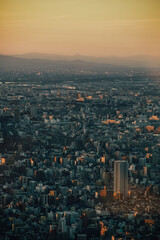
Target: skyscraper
121, 178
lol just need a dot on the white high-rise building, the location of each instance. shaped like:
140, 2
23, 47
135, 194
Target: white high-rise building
121, 178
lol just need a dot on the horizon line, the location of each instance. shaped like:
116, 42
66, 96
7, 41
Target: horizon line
77, 54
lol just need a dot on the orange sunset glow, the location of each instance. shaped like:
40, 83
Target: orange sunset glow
86, 27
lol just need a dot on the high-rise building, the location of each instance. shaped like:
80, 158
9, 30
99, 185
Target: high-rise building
16, 115
121, 179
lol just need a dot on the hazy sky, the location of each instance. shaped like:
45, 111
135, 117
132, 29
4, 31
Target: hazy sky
86, 27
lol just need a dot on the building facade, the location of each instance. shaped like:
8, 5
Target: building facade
121, 179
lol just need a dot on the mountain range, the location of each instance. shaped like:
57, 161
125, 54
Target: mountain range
51, 62
131, 61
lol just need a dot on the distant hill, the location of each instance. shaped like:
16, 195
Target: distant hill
77, 64
10, 62
131, 61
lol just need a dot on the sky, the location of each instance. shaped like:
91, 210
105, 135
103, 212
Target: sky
85, 27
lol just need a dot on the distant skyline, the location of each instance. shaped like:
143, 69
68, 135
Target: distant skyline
86, 27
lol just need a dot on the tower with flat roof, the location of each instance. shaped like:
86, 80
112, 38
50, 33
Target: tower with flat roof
121, 179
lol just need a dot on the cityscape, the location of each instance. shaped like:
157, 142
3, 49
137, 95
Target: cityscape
80, 120
80, 159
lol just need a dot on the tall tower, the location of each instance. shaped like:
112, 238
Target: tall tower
121, 178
